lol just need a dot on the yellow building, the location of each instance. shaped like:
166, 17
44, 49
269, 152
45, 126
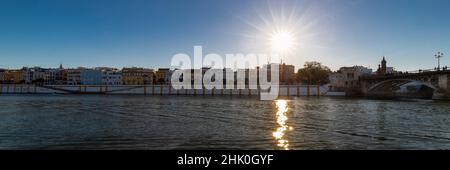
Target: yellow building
137, 76
16, 76
162, 76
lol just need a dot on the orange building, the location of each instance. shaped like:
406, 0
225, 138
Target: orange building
16, 76
162, 76
137, 76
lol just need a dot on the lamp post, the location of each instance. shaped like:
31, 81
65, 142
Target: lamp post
439, 55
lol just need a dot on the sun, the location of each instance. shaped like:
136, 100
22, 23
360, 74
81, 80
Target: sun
287, 32
282, 41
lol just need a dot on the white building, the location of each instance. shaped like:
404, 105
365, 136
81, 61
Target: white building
74, 76
390, 70
347, 77
27, 75
33, 75
50, 76
111, 77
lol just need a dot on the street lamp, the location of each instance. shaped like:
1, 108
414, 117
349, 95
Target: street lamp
439, 55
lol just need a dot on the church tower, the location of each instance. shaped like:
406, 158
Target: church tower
382, 69
383, 66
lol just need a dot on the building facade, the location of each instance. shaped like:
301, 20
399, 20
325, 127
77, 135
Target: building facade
137, 76
287, 74
50, 76
163, 76
111, 77
16, 76
34, 75
347, 78
74, 76
90, 77
61, 77
5, 77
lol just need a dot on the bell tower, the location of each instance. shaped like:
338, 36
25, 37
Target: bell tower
383, 66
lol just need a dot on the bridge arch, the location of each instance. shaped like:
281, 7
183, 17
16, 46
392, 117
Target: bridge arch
401, 80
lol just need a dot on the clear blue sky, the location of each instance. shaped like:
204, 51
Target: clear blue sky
148, 33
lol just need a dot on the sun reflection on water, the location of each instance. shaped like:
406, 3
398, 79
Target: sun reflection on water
281, 116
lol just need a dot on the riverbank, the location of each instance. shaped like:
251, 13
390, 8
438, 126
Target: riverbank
284, 90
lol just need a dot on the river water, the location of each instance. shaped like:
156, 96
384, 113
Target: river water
188, 122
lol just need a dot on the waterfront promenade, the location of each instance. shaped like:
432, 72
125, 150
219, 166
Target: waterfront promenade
284, 90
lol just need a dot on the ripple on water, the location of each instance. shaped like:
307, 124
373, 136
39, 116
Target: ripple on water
183, 122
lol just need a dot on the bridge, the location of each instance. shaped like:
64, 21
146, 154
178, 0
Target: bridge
418, 84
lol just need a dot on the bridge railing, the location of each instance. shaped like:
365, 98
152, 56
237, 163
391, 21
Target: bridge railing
406, 73
418, 71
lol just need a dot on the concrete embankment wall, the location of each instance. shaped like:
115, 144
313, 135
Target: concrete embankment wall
302, 90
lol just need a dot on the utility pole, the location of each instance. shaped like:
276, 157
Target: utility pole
439, 55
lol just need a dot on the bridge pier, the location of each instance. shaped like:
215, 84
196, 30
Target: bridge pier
443, 91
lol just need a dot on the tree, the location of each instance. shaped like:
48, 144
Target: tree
313, 73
